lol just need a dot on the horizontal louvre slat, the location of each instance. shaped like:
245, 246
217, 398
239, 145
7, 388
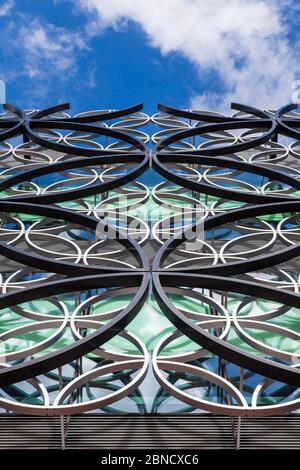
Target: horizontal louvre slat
148, 432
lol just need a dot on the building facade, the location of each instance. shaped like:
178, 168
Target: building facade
150, 264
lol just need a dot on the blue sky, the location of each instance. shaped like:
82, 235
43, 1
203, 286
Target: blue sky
115, 53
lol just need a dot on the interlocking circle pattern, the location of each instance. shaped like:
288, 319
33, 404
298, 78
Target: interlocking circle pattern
150, 273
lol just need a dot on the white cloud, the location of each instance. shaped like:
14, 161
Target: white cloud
244, 42
43, 52
6, 7
48, 49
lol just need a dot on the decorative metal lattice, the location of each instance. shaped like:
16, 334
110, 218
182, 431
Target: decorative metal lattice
147, 274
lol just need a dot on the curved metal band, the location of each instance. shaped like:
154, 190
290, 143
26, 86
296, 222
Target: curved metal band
72, 150
28, 126
67, 354
227, 149
265, 367
286, 125
225, 163
142, 161
63, 267
209, 117
236, 267
92, 118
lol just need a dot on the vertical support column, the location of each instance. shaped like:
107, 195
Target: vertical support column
62, 420
238, 433
149, 152
239, 420
62, 432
